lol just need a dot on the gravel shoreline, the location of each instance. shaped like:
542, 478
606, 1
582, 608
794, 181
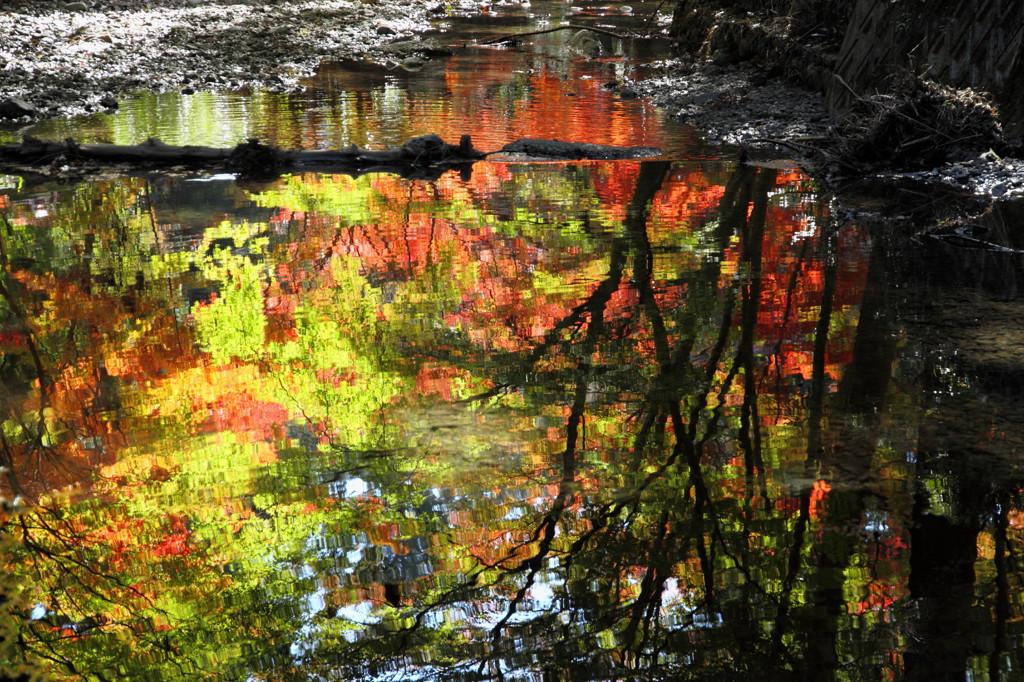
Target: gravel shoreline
736, 105
59, 60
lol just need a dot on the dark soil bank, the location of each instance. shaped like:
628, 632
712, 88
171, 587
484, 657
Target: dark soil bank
923, 91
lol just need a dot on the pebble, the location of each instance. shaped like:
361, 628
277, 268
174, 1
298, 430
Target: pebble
412, 63
723, 57
15, 107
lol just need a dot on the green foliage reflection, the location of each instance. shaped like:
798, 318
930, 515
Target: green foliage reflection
555, 420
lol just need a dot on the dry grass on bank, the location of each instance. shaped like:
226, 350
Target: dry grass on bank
924, 124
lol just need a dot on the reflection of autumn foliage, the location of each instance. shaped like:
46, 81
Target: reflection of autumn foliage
410, 238
81, 402
488, 547
438, 380
128, 540
237, 411
175, 542
819, 494
792, 289
688, 197
556, 108
624, 293
881, 597
888, 555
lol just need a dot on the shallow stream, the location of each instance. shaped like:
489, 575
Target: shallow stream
668, 419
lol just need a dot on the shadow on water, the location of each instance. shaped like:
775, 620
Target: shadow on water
659, 420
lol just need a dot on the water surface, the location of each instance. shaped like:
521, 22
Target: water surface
663, 419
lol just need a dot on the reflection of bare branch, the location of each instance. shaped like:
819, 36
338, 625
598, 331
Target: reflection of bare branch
24, 327
34, 437
747, 187
7, 464
548, 526
57, 547
72, 549
788, 308
574, 320
753, 242
821, 334
647, 604
792, 573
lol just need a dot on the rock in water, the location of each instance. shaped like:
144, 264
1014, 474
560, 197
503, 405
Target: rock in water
428, 47
585, 43
16, 108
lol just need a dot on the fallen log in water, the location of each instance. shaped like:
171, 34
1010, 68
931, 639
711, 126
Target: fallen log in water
425, 157
420, 156
35, 151
557, 149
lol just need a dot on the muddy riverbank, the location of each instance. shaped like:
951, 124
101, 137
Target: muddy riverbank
738, 105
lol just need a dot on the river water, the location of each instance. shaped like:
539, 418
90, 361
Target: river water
668, 419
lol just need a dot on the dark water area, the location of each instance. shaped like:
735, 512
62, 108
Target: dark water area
671, 419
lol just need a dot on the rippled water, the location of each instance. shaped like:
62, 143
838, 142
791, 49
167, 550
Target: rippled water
669, 419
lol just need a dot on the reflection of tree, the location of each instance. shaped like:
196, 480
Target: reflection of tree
32, 435
648, 381
613, 566
658, 518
